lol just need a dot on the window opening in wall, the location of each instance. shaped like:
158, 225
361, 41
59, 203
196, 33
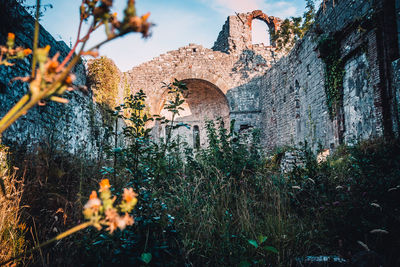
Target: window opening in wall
260, 32
196, 137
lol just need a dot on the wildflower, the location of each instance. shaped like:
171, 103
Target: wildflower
122, 222
129, 200
53, 64
104, 185
11, 36
10, 40
27, 51
129, 195
145, 17
112, 219
94, 202
70, 78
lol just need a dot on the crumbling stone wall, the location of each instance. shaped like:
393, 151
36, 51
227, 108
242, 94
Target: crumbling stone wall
285, 95
76, 127
256, 85
234, 67
294, 99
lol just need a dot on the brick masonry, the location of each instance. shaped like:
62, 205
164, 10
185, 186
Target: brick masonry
284, 95
76, 128
256, 85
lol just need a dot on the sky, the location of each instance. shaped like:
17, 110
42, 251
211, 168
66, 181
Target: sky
178, 23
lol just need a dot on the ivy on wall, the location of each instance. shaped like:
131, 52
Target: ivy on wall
329, 49
104, 77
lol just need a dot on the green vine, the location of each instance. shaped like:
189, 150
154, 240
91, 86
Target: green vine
329, 49
104, 77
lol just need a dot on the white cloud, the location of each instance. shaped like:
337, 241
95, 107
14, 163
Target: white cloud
282, 9
231, 6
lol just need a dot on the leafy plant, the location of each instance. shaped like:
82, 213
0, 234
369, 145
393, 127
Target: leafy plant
293, 29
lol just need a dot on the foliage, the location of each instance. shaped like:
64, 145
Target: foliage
329, 49
12, 228
355, 196
103, 76
49, 78
293, 29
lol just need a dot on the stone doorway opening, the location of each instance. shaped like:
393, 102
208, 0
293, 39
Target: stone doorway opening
204, 101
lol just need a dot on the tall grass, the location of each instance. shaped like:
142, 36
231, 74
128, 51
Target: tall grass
12, 229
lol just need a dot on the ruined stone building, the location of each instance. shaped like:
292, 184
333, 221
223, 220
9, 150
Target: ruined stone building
282, 94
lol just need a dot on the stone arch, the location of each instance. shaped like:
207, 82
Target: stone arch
272, 22
218, 80
203, 101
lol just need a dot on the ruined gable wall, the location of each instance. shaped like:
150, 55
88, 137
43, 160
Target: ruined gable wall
233, 65
236, 75
294, 105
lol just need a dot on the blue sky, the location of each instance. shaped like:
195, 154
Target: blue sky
178, 23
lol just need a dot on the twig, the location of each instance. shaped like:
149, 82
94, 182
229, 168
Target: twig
58, 237
35, 38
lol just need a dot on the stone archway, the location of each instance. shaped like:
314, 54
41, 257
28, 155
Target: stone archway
272, 22
203, 101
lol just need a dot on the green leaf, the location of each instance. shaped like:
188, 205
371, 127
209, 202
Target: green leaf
271, 249
146, 257
262, 239
253, 243
244, 264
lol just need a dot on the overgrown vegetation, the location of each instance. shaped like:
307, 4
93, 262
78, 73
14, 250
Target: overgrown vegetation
294, 28
329, 49
104, 77
12, 229
225, 204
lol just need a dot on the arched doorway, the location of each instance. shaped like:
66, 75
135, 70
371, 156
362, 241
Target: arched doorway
203, 101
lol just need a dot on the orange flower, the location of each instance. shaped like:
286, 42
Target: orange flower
93, 195
27, 51
145, 16
129, 195
11, 36
94, 203
52, 66
104, 185
69, 80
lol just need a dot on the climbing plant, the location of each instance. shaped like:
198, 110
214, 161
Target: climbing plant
294, 28
329, 49
104, 77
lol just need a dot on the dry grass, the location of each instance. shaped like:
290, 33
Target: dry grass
12, 231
